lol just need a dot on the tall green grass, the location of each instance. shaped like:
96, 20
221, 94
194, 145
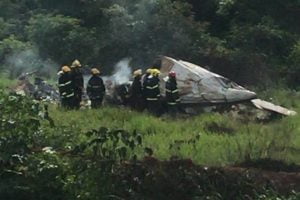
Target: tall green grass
6, 82
189, 137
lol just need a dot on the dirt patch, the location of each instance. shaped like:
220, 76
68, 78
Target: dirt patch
283, 182
217, 128
282, 176
270, 165
183, 179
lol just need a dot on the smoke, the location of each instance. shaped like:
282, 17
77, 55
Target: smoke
29, 60
122, 72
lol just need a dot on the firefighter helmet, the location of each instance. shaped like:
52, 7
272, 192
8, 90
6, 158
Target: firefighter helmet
149, 71
95, 71
155, 72
65, 69
172, 74
137, 73
76, 63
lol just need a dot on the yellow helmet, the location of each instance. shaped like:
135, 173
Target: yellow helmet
76, 63
95, 71
155, 72
66, 69
149, 71
137, 73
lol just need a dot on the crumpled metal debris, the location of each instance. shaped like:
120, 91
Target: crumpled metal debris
261, 104
197, 85
39, 90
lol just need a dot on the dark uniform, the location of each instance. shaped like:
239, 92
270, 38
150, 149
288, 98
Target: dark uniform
172, 96
66, 90
96, 90
78, 81
122, 94
143, 81
152, 94
136, 94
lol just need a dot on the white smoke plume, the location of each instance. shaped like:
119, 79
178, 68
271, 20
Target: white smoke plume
122, 72
29, 61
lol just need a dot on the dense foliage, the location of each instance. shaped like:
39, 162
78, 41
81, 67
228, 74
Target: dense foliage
252, 42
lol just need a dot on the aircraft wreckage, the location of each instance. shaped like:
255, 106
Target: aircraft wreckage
197, 85
39, 89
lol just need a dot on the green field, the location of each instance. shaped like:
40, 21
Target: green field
208, 139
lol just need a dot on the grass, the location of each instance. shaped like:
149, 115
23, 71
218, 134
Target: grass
5, 82
189, 138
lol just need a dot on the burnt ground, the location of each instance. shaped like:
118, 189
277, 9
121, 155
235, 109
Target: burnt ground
283, 182
182, 179
284, 177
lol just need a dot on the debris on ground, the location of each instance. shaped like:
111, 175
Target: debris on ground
265, 105
199, 87
39, 89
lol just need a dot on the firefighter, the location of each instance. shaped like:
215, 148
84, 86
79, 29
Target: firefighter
144, 77
95, 89
66, 88
78, 81
172, 96
136, 91
122, 93
152, 92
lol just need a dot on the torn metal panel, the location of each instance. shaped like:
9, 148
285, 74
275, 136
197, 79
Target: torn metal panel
40, 90
265, 105
197, 85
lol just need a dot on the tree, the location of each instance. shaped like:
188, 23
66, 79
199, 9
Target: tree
11, 45
60, 38
292, 72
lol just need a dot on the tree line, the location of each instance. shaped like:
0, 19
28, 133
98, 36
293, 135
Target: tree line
253, 42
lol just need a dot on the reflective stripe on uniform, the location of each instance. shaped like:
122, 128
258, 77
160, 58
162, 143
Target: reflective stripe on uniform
64, 84
95, 87
171, 91
152, 99
172, 103
65, 95
70, 95
151, 88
